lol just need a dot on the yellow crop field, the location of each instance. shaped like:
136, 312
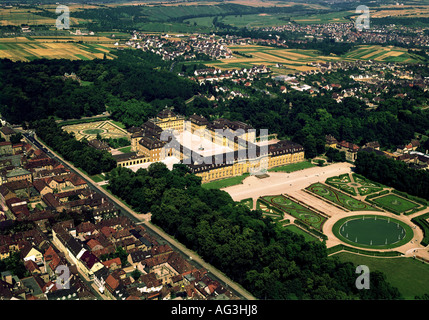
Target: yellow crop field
406, 11
298, 60
27, 49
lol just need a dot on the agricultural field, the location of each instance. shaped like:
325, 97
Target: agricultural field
284, 61
294, 209
27, 49
404, 11
89, 130
29, 15
332, 17
381, 54
291, 59
339, 198
248, 20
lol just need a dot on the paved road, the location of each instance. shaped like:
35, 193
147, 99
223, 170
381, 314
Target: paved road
145, 219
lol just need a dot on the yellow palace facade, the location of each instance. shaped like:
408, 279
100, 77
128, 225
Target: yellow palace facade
239, 154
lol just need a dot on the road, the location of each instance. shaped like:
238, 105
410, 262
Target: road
145, 219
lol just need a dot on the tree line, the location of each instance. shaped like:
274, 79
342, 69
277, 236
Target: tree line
393, 173
307, 119
83, 156
268, 260
39, 89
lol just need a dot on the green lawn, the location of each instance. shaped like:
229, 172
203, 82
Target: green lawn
219, 184
97, 178
119, 124
307, 236
395, 203
125, 149
408, 275
292, 167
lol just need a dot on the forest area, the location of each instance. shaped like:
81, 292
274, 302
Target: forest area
137, 85
37, 90
393, 173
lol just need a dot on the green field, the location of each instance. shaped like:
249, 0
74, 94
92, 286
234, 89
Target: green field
98, 178
219, 184
332, 17
339, 198
295, 229
379, 53
248, 20
395, 203
408, 275
292, 167
125, 149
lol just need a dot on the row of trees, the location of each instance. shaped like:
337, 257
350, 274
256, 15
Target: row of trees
393, 173
91, 160
270, 261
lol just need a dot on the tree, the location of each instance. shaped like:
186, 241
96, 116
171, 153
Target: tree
16, 138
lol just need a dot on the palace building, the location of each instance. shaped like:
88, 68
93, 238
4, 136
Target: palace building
212, 150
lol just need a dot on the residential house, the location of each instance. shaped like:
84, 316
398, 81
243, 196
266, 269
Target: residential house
6, 133
350, 149
330, 141
6, 148
41, 187
18, 174
113, 264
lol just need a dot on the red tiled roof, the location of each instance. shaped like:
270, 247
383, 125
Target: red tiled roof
108, 263
93, 243
112, 283
31, 266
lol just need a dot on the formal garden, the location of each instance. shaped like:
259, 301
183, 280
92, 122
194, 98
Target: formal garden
339, 198
90, 130
293, 208
354, 184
